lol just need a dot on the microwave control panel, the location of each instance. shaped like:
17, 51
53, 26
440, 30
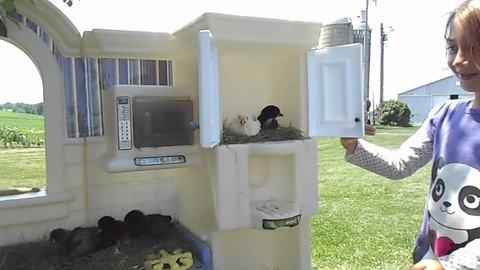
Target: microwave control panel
124, 123
159, 160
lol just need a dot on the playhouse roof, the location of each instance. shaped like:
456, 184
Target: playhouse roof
113, 43
246, 28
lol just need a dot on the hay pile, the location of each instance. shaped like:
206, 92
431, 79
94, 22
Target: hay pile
41, 255
280, 134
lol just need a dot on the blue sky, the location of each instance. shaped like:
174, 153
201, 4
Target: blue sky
414, 52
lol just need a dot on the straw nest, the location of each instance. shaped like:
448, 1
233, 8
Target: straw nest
40, 255
280, 134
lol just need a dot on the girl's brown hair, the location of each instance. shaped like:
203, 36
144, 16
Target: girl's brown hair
467, 15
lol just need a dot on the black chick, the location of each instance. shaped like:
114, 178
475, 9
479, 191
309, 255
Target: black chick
139, 224
59, 239
268, 117
158, 225
112, 231
83, 241
76, 243
135, 223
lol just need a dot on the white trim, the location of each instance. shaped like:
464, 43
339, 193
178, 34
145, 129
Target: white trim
33, 210
209, 93
34, 199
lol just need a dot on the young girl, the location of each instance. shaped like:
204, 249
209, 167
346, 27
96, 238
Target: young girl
450, 234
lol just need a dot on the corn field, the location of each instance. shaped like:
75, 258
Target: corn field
13, 137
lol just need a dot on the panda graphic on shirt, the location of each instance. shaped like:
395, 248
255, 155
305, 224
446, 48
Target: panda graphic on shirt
453, 207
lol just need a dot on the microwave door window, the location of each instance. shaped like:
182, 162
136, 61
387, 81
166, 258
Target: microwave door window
163, 123
147, 124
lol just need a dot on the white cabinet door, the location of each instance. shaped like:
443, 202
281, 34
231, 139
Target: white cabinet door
209, 99
335, 91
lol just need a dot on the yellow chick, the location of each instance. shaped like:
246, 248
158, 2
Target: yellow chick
245, 125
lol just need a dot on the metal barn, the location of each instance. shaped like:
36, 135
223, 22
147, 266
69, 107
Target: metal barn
422, 99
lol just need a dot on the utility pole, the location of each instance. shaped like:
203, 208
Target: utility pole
366, 53
366, 60
383, 38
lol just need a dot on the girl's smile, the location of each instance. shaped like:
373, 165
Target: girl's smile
466, 76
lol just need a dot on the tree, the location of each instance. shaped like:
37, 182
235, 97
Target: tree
395, 113
23, 107
39, 108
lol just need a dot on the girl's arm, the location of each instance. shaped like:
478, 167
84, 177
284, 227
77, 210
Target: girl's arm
415, 152
467, 257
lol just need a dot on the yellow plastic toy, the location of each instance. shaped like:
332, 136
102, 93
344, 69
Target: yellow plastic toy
177, 260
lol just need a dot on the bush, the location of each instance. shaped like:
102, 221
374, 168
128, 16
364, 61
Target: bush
394, 113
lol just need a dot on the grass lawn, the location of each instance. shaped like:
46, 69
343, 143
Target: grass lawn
400, 130
22, 167
365, 221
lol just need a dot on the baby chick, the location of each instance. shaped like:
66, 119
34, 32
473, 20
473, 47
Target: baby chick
59, 239
112, 231
268, 117
245, 125
76, 243
135, 222
158, 225
83, 241
139, 224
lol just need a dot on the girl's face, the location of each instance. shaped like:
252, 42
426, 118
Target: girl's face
463, 56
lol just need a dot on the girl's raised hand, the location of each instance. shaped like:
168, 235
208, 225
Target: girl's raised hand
350, 144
